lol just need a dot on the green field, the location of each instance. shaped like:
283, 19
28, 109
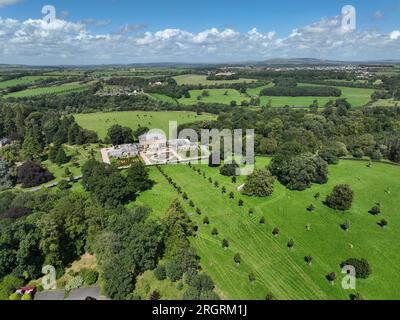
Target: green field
357, 97
101, 122
163, 98
216, 96
278, 269
68, 87
195, 79
20, 81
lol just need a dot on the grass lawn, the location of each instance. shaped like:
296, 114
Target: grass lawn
22, 80
101, 122
68, 87
278, 269
195, 79
216, 96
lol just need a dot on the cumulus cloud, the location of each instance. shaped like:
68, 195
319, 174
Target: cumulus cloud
5, 3
37, 42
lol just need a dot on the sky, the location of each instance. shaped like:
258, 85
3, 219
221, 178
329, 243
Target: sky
217, 31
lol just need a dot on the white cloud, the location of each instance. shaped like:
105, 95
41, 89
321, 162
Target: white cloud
394, 35
37, 42
5, 3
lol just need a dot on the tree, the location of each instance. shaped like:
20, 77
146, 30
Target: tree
32, 146
8, 286
160, 273
346, 225
309, 260
120, 135
214, 232
118, 282
155, 295
262, 220
383, 223
7, 175
269, 297
362, 267
241, 203
290, 244
341, 198
61, 157
206, 221
138, 177
30, 174
298, 172
231, 195
225, 244
259, 184
229, 170
376, 210
276, 232
237, 258
252, 277
331, 277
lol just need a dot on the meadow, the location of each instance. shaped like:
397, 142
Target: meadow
163, 98
195, 79
278, 270
68, 87
223, 96
101, 122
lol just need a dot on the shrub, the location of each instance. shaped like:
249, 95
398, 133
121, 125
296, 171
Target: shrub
331, 277
241, 203
341, 198
231, 195
346, 225
362, 266
15, 297
290, 244
275, 232
225, 244
214, 232
229, 170
269, 297
74, 283
237, 258
206, 221
262, 220
383, 223
308, 259
90, 277
26, 297
252, 277
155, 296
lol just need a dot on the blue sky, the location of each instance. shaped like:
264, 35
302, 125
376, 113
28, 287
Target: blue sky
188, 31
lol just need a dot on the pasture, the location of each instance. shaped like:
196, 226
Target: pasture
196, 79
223, 96
101, 122
278, 270
357, 97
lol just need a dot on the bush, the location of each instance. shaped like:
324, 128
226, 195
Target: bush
15, 297
8, 286
375, 210
341, 198
160, 273
26, 297
90, 277
74, 283
229, 170
362, 266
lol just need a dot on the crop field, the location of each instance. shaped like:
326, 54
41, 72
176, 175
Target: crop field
101, 122
278, 270
195, 79
68, 87
20, 81
224, 96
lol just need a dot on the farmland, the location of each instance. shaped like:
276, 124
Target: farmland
101, 122
278, 269
194, 79
73, 86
